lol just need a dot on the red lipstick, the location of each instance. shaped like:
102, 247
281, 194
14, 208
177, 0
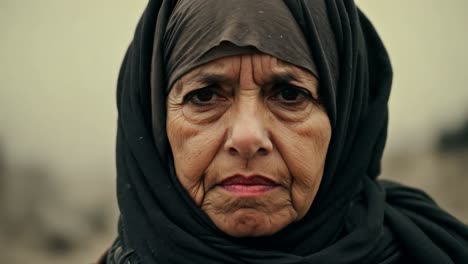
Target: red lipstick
248, 186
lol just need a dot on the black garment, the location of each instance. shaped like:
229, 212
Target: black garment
354, 217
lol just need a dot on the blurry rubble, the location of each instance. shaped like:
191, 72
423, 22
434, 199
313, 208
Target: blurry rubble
36, 214
439, 171
454, 140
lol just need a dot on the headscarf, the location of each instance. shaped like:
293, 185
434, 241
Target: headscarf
354, 218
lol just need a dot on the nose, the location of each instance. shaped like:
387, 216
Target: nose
248, 136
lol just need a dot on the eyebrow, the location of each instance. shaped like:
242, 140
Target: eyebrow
210, 78
202, 78
284, 77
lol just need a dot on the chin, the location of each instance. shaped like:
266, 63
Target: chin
251, 223
248, 218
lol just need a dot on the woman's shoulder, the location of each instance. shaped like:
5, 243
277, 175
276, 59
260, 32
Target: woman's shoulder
413, 216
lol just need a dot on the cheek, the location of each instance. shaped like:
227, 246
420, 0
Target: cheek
304, 149
193, 148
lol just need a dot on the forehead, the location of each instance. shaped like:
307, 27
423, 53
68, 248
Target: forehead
263, 69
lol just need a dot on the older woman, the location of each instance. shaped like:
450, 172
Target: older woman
252, 132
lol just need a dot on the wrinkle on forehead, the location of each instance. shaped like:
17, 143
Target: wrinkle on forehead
229, 69
261, 70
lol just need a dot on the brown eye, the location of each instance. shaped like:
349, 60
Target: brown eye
205, 104
201, 96
291, 94
204, 95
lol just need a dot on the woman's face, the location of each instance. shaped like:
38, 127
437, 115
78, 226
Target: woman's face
249, 140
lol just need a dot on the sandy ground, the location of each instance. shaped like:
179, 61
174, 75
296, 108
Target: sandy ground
442, 176
24, 253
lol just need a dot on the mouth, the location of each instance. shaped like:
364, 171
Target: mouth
248, 186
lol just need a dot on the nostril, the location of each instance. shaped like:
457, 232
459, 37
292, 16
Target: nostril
248, 154
247, 143
232, 151
262, 151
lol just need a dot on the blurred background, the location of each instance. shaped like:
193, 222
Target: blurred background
59, 61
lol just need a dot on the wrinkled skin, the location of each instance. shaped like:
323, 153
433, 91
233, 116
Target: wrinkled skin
249, 115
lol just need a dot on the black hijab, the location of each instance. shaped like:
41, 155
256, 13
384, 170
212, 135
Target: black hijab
354, 218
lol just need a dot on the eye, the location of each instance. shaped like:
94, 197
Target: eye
290, 94
203, 96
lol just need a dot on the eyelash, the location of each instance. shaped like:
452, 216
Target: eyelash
189, 97
276, 91
279, 88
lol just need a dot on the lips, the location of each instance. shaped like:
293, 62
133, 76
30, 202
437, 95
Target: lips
248, 185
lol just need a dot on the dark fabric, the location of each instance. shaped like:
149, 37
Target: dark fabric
118, 253
354, 218
195, 27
